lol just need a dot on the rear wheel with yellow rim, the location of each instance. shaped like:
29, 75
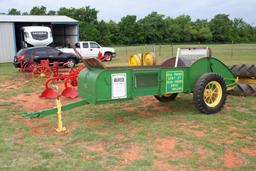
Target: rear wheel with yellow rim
210, 93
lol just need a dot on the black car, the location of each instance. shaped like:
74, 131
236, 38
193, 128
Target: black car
42, 53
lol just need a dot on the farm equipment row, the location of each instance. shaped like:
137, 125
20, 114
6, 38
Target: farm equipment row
42, 69
191, 71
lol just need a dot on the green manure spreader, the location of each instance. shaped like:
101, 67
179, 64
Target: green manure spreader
189, 72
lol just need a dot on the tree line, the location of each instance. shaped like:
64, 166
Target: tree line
152, 29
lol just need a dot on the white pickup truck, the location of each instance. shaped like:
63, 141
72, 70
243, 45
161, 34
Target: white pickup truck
91, 49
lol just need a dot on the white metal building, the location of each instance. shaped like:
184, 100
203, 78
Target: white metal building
65, 31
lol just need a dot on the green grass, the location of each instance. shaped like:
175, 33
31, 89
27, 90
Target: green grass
114, 137
228, 53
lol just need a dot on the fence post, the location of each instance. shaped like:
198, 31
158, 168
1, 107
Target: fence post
126, 51
153, 49
232, 49
172, 49
160, 48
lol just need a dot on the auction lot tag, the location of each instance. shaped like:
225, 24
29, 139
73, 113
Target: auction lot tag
174, 81
119, 88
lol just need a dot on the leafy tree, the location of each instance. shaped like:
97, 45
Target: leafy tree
51, 12
40, 10
84, 14
242, 31
128, 29
13, 11
170, 31
88, 31
152, 27
202, 32
114, 33
25, 13
104, 33
221, 28
184, 28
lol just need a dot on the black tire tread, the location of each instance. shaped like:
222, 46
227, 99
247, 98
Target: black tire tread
244, 90
244, 70
165, 99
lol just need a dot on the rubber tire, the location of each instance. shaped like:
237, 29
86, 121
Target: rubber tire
198, 94
165, 99
244, 90
73, 61
244, 70
110, 58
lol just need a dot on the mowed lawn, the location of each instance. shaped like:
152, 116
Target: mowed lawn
141, 134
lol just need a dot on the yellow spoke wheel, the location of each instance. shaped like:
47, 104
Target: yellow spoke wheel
212, 94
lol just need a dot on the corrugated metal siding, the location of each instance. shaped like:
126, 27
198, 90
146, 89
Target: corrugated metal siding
7, 42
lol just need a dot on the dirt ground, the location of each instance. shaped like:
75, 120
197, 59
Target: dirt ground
167, 147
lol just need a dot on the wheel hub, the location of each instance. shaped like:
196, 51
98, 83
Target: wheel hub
212, 94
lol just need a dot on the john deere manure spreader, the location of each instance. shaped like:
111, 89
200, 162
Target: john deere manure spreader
191, 71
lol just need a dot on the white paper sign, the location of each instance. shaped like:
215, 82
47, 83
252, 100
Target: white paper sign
119, 88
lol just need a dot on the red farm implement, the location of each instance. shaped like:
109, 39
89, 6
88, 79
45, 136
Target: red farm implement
70, 81
42, 69
27, 65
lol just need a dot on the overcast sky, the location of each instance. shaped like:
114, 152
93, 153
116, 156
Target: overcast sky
116, 9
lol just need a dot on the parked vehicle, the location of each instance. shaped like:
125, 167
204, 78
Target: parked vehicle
91, 49
31, 36
42, 53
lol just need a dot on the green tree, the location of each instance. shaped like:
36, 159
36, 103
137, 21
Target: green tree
104, 33
25, 13
170, 31
39, 10
51, 12
128, 29
13, 11
221, 28
184, 28
114, 32
84, 14
202, 32
152, 28
242, 31
88, 31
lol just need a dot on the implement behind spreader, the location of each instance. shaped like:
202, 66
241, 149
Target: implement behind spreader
206, 77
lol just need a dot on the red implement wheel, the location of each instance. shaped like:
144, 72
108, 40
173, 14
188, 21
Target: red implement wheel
108, 56
42, 71
28, 66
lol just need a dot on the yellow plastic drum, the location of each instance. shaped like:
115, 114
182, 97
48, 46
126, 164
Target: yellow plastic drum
149, 58
134, 60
